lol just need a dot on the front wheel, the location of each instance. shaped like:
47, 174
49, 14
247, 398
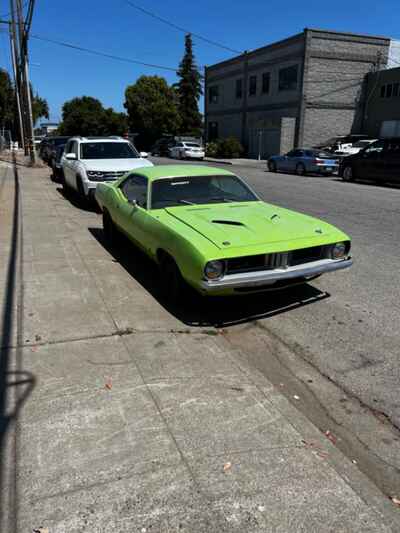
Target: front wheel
109, 230
173, 285
348, 174
272, 166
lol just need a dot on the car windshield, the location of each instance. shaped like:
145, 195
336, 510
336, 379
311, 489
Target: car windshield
108, 150
192, 145
59, 141
361, 144
199, 190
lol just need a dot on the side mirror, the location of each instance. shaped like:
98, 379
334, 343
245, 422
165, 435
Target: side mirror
144, 154
71, 156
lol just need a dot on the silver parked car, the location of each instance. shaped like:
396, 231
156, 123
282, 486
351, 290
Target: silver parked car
304, 161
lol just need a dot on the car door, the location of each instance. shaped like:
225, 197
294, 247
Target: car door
291, 160
370, 163
391, 161
131, 210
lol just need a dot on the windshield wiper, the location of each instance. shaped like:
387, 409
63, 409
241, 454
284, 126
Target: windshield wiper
186, 202
221, 198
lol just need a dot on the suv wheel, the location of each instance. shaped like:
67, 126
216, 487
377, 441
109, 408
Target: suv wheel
348, 174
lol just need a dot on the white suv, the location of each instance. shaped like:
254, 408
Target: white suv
86, 161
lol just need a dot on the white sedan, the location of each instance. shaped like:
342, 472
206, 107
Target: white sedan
186, 150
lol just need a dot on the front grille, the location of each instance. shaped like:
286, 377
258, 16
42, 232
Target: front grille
254, 263
105, 176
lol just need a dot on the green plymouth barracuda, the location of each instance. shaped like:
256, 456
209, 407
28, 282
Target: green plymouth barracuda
206, 227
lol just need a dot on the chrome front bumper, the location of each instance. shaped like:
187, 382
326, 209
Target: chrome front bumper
269, 277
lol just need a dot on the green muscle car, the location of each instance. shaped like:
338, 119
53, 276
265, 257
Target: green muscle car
206, 227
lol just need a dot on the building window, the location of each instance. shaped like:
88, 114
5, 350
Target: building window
213, 94
288, 78
395, 89
252, 85
239, 89
212, 131
265, 82
383, 91
389, 89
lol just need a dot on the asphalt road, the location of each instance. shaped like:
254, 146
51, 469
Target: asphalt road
351, 333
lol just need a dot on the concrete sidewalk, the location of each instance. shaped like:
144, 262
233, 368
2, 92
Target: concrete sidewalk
116, 416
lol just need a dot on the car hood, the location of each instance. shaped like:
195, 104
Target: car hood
115, 164
237, 225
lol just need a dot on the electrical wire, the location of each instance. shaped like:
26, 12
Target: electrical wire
101, 54
179, 28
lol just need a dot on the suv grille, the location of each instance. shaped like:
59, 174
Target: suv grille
254, 263
105, 176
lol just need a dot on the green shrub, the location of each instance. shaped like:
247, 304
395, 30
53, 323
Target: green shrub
229, 147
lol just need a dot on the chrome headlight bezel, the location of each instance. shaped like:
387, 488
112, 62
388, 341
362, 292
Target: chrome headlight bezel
339, 250
214, 270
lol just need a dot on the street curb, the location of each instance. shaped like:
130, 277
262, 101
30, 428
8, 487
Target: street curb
219, 161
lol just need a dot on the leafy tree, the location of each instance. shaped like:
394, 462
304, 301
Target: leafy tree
189, 90
87, 116
7, 101
40, 107
152, 109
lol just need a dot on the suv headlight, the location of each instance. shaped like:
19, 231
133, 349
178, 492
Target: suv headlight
339, 250
214, 269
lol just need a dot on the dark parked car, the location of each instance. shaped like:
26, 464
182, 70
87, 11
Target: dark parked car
58, 174
162, 146
380, 162
304, 161
48, 148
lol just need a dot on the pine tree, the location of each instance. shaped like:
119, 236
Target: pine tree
189, 89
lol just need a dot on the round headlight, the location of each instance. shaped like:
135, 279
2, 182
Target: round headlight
214, 269
338, 250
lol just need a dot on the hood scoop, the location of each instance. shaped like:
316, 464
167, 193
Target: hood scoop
228, 222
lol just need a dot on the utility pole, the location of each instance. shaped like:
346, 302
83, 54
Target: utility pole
23, 72
17, 80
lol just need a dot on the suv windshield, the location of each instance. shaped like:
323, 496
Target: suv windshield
108, 150
199, 190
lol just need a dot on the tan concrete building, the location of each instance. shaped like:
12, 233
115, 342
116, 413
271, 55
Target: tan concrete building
295, 92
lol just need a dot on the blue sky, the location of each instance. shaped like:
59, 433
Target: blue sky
114, 27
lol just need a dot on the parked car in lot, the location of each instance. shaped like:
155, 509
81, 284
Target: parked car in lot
48, 148
304, 161
380, 162
87, 161
161, 148
187, 150
206, 227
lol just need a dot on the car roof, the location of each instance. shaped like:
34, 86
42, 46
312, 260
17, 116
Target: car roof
180, 171
99, 139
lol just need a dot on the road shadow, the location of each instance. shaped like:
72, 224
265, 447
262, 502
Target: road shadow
15, 383
198, 311
361, 182
77, 201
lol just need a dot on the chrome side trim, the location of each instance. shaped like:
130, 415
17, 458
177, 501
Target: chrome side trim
266, 277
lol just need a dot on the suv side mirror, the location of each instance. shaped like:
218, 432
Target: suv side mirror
71, 156
144, 154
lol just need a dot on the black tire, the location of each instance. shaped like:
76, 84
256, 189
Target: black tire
348, 173
272, 166
173, 285
109, 229
300, 169
79, 186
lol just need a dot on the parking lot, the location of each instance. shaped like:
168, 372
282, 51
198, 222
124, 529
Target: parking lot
330, 347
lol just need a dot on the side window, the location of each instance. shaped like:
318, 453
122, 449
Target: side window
392, 149
252, 85
135, 188
292, 153
376, 147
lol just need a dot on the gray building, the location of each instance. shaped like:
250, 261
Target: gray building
381, 104
295, 92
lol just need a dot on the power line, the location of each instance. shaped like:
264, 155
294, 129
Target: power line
179, 28
101, 54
